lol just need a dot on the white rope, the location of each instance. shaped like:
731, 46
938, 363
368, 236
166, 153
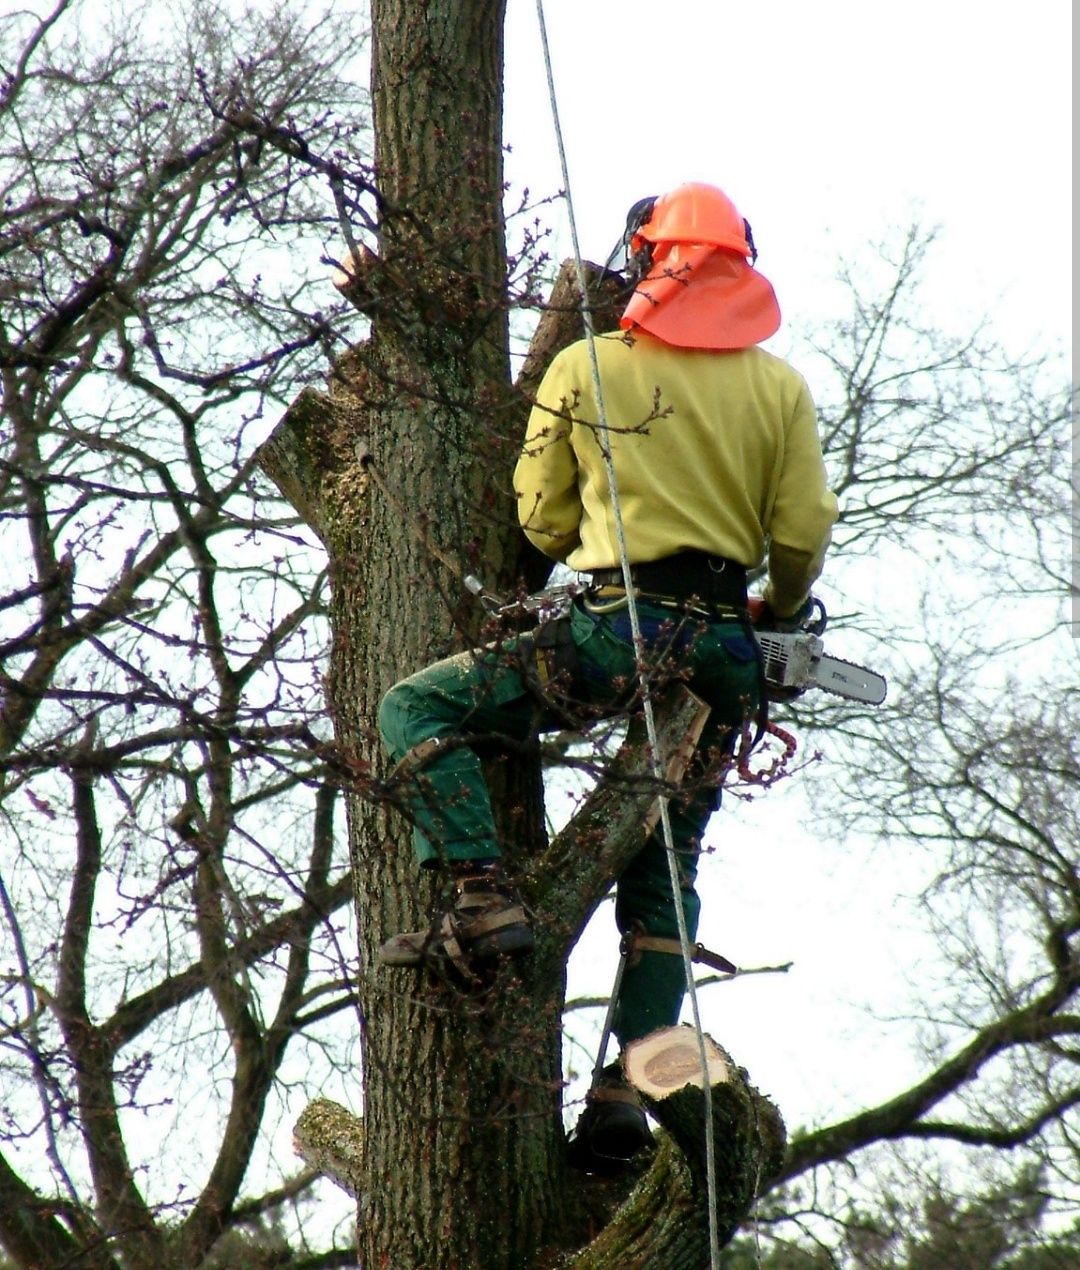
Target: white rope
639, 649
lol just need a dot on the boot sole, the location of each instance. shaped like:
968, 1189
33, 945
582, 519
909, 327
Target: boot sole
608, 1135
621, 1137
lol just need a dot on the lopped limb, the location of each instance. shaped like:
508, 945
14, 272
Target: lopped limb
669, 1061
560, 321
308, 454
328, 1138
665, 1221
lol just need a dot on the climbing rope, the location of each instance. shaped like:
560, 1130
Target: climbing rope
412, 523
639, 648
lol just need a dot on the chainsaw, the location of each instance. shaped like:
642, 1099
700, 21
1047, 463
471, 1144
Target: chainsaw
796, 660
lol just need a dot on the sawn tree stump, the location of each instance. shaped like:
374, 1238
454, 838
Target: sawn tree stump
665, 1222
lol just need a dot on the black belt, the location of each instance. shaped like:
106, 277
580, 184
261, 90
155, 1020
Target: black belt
713, 581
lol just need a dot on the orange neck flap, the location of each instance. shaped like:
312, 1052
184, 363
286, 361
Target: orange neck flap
700, 296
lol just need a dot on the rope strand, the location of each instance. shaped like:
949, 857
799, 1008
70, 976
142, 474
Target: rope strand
639, 649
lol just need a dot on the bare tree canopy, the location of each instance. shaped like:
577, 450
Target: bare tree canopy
170, 870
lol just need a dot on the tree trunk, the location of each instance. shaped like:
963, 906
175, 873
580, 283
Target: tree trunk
462, 1137
432, 1055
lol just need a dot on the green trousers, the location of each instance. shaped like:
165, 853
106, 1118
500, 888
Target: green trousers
487, 694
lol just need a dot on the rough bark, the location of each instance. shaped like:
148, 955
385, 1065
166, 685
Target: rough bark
460, 1094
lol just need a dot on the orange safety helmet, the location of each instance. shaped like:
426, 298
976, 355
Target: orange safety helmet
693, 254
696, 213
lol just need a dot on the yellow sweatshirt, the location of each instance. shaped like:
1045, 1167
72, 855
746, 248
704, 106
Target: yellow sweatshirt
713, 451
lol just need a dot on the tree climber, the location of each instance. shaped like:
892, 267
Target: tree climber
718, 466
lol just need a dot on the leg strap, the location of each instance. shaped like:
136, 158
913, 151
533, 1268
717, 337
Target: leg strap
419, 756
460, 929
639, 943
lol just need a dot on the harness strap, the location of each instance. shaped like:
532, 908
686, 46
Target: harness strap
488, 922
594, 600
455, 928
554, 653
551, 669
452, 948
712, 580
419, 756
698, 952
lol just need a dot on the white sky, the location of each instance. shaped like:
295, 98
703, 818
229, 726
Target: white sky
830, 124
827, 123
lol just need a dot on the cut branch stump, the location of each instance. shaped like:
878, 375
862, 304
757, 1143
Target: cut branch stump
329, 1138
748, 1130
665, 1221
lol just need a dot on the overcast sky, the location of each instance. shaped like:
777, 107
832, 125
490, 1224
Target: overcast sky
831, 125
828, 124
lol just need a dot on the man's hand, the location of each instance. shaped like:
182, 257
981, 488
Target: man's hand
810, 616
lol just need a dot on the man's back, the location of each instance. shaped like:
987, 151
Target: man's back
712, 451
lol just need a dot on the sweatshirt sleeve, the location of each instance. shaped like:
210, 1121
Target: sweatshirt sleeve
803, 514
546, 475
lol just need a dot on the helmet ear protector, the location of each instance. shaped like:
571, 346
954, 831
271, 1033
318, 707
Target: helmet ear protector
750, 241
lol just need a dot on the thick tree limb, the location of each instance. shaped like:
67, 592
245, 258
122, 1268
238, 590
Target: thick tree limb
560, 321
1001, 1138
665, 1222
31, 1232
329, 1139
901, 1117
122, 1207
608, 830
304, 454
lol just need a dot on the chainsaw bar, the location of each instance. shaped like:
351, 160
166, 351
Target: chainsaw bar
797, 660
846, 679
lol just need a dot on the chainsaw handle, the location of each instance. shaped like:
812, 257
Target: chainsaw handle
811, 618
818, 619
